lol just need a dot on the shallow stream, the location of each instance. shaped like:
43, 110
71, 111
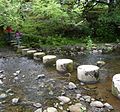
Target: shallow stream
45, 90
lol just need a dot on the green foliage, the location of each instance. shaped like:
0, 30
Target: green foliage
2, 42
50, 41
89, 42
107, 27
10, 12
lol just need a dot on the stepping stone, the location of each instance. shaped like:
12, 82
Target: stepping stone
64, 65
116, 85
38, 55
24, 51
13, 43
30, 53
88, 73
49, 59
19, 50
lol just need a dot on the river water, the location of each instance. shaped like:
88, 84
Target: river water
45, 90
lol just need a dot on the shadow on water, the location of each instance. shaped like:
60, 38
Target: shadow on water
45, 90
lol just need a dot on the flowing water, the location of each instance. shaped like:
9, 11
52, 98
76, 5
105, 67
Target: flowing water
45, 90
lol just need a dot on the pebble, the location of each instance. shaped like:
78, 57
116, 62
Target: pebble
38, 105
2, 76
1, 71
38, 110
16, 78
18, 71
40, 76
108, 106
72, 85
51, 109
82, 99
1, 82
78, 107
3, 95
51, 92
87, 98
96, 104
81, 83
63, 99
15, 100
78, 96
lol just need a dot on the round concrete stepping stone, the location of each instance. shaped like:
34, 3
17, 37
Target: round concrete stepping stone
116, 85
38, 55
13, 43
49, 59
64, 65
30, 53
15, 47
88, 73
19, 50
24, 51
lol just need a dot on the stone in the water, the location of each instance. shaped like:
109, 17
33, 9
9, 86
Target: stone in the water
87, 98
64, 65
18, 71
40, 76
116, 85
100, 63
1, 71
72, 85
88, 73
3, 95
49, 59
1, 82
51, 109
2, 76
38, 105
15, 100
78, 107
38, 55
38, 110
63, 99
107, 105
96, 104
51, 92
78, 96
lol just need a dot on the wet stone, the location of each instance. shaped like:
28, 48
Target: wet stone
78, 107
40, 76
72, 85
15, 100
96, 104
63, 99
3, 96
108, 106
51, 109
38, 105
38, 110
